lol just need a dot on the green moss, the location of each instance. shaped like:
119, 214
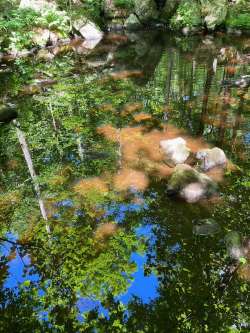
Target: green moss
187, 15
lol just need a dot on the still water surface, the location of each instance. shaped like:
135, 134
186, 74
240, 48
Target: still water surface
92, 121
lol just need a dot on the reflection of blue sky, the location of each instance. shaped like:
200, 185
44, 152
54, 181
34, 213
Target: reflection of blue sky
247, 138
144, 287
16, 266
118, 211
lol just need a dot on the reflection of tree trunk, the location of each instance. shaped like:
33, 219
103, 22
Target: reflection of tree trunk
223, 118
119, 139
80, 148
28, 159
169, 75
52, 116
207, 87
237, 121
225, 109
189, 102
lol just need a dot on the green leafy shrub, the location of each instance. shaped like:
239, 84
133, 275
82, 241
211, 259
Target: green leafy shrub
239, 15
187, 15
241, 21
16, 27
55, 20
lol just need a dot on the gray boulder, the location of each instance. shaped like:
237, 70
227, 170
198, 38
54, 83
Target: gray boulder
190, 185
211, 158
89, 31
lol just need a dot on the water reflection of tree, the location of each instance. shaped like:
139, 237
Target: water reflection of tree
74, 262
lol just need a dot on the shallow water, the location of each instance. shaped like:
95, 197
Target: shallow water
92, 121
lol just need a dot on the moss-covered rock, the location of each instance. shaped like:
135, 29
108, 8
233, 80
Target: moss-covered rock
214, 12
146, 11
190, 185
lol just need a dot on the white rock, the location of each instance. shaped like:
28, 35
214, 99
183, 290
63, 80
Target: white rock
37, 5
42, 36
90, 32
211, 158
175, 149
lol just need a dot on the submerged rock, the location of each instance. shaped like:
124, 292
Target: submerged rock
206, 227
7, 114
190, 185
211, 158
233, 244
175, 150
237, 248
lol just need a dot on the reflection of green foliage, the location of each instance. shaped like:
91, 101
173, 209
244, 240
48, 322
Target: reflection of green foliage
73, 263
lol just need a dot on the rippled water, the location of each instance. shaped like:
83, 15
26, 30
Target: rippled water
91, 121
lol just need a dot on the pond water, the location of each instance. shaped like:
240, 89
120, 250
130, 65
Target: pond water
90, 240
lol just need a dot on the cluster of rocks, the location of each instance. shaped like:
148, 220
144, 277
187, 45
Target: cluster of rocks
187, 182
132, 15
41, 36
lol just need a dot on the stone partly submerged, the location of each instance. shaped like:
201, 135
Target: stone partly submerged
7, 113
206, 227
89, 31
236, 247
211, 158
190, 185
175, 150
